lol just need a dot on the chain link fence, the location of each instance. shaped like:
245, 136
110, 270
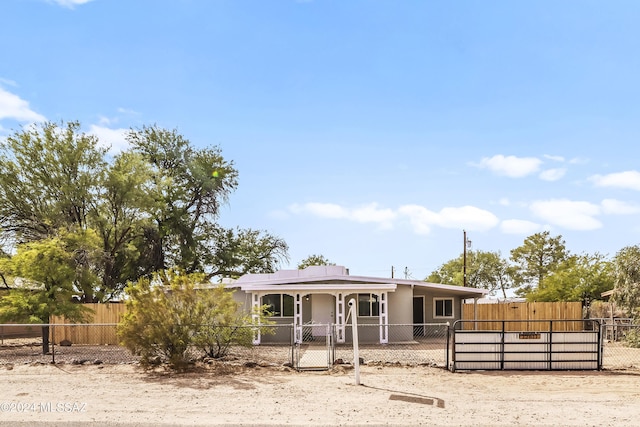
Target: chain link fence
621, 346
408, 344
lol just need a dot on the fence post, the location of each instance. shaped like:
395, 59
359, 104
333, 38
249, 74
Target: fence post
446, 349
53, 343
550, 344
502, 345
600, 344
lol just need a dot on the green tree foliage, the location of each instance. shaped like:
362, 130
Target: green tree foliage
576, 278
485, 270
48, 268
168, 317
232, 253
189, 186
627, 280
536, 259
49, 176
152, 207
125, 225
314, 259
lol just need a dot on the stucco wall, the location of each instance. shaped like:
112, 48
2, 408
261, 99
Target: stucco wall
429, 307
244, 299
401, 305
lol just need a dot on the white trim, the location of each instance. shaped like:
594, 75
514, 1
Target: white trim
384, 318
340, 317
255, 305
345, 288
297, 317
453, 307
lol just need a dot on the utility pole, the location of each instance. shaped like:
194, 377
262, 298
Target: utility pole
392, 271
467, 243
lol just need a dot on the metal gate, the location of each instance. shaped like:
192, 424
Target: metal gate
315, 351
526, 345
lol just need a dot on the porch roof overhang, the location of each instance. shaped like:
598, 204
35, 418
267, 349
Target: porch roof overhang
464, 292
305, 288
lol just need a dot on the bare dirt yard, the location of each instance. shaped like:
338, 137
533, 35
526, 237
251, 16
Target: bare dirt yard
125, 395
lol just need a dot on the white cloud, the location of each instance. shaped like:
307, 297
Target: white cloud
628, 180
465, 217
511, 166
115, 138
578, 161
504, 201
618, 207
8, 82
552, 174
371, 213
70, 3
127, 111
468, 217
518, 226
554, 158
420, 218
365, 214
573, 215
16, 108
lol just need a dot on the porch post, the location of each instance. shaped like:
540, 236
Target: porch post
340, 318
384, 318
297, 318
255, 316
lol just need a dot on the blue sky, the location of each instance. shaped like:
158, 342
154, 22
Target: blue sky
372, 132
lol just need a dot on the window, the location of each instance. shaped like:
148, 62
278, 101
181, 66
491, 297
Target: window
368, 305
443, 307
279, 304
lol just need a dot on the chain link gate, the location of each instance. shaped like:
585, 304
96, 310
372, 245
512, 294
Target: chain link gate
315, 351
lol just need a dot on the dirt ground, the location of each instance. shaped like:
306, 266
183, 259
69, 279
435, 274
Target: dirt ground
125, 395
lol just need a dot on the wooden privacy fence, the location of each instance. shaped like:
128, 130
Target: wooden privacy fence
98, 330
517, 313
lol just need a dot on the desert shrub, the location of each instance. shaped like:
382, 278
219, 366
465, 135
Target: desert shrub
168, 318
632, 338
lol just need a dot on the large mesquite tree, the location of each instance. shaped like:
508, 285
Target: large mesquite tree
154, 206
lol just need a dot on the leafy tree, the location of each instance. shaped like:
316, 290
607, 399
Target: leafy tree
152, 207
536, 259
4, 277
627, 279
576, 278
189, 185
49, 175
124, 223
314, 259
232, 253
485, 270
48, 269
168, 316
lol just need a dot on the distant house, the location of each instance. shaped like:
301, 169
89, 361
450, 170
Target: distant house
320, 295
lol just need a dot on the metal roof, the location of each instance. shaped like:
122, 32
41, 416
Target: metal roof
338, 278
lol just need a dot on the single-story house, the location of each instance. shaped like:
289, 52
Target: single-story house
319, 295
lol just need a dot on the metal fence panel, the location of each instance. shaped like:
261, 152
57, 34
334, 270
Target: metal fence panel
550, 345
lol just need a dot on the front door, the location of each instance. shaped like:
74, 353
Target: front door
322, 313
418, 316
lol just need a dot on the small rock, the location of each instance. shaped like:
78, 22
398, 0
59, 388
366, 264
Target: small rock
65, 343
97, 362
